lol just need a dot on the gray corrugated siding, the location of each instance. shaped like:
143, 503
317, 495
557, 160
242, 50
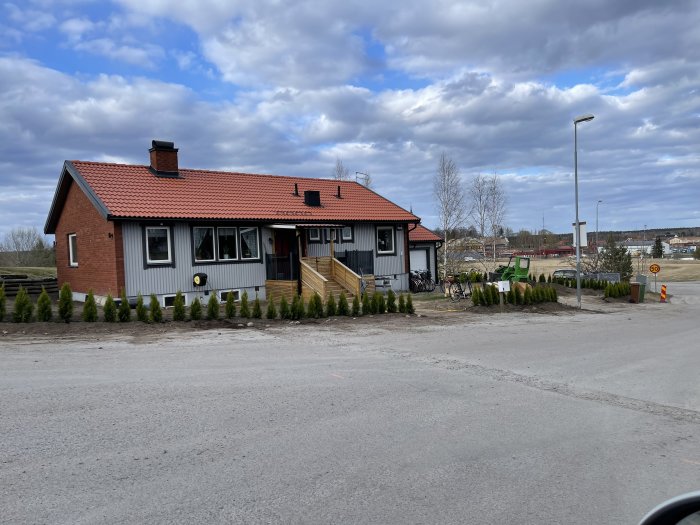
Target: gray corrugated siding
164, 281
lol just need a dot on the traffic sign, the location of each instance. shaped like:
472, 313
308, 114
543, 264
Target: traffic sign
654, 268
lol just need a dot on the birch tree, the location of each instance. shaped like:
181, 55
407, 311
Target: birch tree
450, 199
495, 208
479, 206
340, 172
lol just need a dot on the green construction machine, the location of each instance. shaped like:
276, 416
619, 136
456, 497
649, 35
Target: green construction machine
517, 270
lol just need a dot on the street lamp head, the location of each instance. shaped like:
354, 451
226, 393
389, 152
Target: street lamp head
583, 118
599, 201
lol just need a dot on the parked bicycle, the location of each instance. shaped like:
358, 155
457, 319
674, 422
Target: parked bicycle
457, 291
421, 281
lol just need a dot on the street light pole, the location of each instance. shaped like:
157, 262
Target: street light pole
577, 120
596, 225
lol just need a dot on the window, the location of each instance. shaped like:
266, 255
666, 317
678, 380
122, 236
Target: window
314, 235
73, 249
385, 240
223, 295
203, 244
346, 234
249, 243
228, 249
158, 249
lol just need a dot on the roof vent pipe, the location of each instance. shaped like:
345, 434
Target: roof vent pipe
296, 190
338, 194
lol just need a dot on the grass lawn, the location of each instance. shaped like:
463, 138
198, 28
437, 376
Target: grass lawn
31, 272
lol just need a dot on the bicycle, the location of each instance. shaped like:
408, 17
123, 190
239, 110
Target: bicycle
421, 281
457, 292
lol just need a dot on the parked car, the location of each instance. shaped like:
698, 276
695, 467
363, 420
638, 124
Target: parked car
564, 273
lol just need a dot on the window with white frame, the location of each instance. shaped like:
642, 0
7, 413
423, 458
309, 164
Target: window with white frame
346, 234
249, 243
73, 249
158, 245
228, 246
314, 235
385, 240
203, 238
223, 295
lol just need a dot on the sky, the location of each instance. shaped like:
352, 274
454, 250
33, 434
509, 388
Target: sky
386, 87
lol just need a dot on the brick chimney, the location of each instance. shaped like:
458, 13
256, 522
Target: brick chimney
164, 159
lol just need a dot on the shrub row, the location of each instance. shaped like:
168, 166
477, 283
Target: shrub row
594, 284
376, 304
489, 295
617, 290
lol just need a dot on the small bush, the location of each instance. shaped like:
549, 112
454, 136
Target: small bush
518, 296
284, 309
213, 307
196, 309
331, 309
476, 293
271, 310
488, 297
90, 308
391, 302
378, 303
141, 310
366, 304
23, 307
230, 308
315, 308
543, 279
245, 308
43, 307
549, 279
124, 312
156, 313
300, 310
65, 303
179, 313
343, 306
527, 296
294, 306
109, 310
409, 305
510, 296
257, 309
3, 302
402, 304
356, 306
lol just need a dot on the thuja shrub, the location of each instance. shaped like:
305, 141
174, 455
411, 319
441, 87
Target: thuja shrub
3, 301
109, 310
315, 308
356, 306
343, 306
518, 296
409, 305
488, 298
156, 313
245, 308
213, 307
124, 312
179, 313
230, 308
543, 279
511, 296
257, 309
271, 312
90, 308
43, 307
284, 309
402, 304
196, 309
294, 307
65, 303
366, 304
391, 302
527, 296
331, 308
23, 307
141, 310
299, 309
378, 303
476, 292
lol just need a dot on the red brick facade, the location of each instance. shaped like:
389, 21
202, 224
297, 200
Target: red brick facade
100, 247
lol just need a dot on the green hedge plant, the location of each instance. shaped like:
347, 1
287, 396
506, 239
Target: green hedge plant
43, 307
65, 303
90, 308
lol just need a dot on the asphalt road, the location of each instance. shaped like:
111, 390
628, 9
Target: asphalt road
590, 418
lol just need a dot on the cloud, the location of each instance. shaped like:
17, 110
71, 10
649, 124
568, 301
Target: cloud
27, 19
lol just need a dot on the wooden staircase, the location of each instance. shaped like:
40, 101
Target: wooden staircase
327, 275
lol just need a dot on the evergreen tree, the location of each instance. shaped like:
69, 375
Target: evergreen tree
230, 306
402, 304
65, 303
331, 309
284, 308
196, 309
271, 310
356, 306
343, 306
179, 313
409, 305
141, 310
90, 308
156, 313
391, 302
23, 307
616, 259
657, 252
43, 307
527, 296
300, 310
257, 309
294, 309
124, 312
518, 296
213, 308
366, 304
476, 292
245, 308
3, 302
109, 310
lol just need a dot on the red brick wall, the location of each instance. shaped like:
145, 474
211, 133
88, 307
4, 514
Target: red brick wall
100, 247
164, 160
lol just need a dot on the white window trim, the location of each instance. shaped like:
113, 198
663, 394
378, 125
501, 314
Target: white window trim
170, 246
224, 293
213, 243
393, 240
257, 244
72, 259
235, 239
317, 237
343, 238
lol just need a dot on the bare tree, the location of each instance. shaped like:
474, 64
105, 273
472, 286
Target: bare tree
479, 205
340, 172
450, 198
495, 209
26, 247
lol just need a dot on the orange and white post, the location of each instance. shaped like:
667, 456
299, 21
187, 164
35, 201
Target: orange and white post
663, 293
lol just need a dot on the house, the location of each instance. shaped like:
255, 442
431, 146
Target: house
423, 246
158, 228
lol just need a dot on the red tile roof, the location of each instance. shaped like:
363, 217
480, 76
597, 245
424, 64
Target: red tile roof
423, 234
129, 191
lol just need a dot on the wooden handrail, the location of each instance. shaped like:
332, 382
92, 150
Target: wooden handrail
312, 279
345, 277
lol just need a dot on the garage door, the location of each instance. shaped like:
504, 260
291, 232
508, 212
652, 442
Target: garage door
419, 259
